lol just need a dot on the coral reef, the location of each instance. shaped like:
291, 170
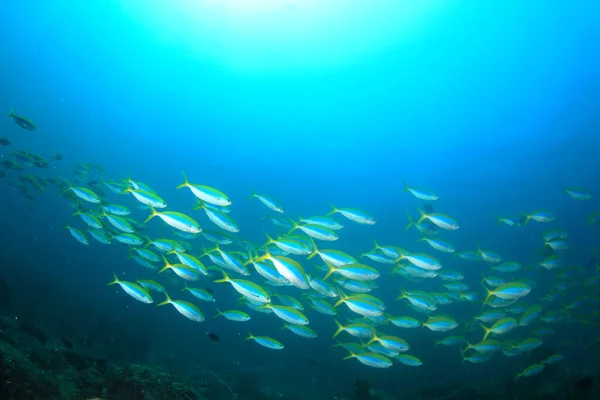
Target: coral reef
31, 369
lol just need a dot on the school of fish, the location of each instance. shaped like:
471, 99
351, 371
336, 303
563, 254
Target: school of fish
298, 272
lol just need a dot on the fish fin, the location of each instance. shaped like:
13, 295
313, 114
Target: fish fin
333, 210
225, 278
422, 218
411, 222
219, 313
331, 271
406, 187
340, 328
315, 249
114, 281
185, 181
167, 301
253, 195
352, 355
250, 337
153, 214
486, 330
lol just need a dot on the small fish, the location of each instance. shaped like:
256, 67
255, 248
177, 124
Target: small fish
508, 291
248, 289
578, 193
354, 214
268, 201
212, 336
85, 194
532, 370
206, 193
540, 216
233, 315
265, 341
421, 194
438, 244
23, 122
176, 220
221, 220
500, 327
358, 330
408, 360
440, 323
371, 359
317, 232
146, 198
186, 309
5, 142
200, 294
441, 220
133, 289
301, 330
78, 235
57, 156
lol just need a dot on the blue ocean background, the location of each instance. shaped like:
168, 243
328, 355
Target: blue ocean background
493, 105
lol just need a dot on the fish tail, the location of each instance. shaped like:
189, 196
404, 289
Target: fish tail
185, 181
10, 113
167, 300
269, 239
340, 328
406, 187
315, 249
114, 281
333, 210
152, 215
422, 218
250, 337
411, 222
486, 330
253, 195
352, 355
166, 267
219, 313
332, 269
487, 297
225, 278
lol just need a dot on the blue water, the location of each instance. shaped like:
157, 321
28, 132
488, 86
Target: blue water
493, 105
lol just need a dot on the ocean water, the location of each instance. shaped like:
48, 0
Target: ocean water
491, 105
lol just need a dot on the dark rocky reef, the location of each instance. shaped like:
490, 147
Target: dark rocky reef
30, 368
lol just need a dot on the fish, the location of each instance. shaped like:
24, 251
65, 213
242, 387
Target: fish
78, 235
221, 220
84, 194
266, 341
234, 315
23, 122
188, 310
268, 201
212, 336
206, 193
133, 289
5, 142
354, 214
579, 193
371, 359
421, 194
246, 288
532, 370
146, 198
441, 220
57, 156
176, 219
